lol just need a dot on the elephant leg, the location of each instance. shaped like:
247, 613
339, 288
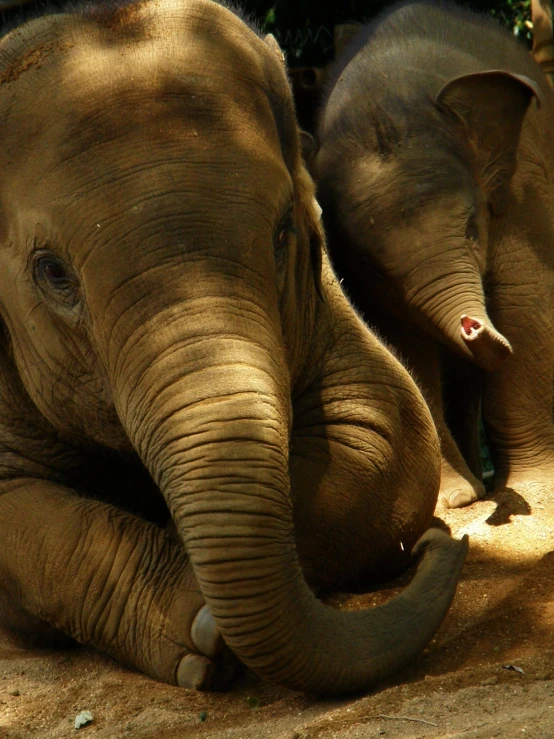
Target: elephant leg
461, 396
421, 355
106, 579
518, 396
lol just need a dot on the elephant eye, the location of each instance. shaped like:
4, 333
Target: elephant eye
285, 228
52, 270
53, 274
472, 231
283, 235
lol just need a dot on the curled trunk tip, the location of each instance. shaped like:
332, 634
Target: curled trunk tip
488, 347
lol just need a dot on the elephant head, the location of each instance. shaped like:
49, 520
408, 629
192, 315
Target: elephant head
426, 181
160, 257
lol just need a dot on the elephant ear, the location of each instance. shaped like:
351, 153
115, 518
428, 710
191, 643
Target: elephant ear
312, 213
274, 47
317, 242
309, 148
491, 107
292, 139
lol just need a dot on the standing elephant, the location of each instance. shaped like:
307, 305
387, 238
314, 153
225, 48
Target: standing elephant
167, 302
543, 37
434, 169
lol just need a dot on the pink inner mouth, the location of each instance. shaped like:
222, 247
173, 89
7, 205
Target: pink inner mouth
487, 347
470, 325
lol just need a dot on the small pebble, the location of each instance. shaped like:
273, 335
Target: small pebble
83, 718
15, 692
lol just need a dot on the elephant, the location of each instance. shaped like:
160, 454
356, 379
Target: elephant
177, 353
543, 37
432, 161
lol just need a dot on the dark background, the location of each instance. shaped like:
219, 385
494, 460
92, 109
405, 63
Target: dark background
304, 28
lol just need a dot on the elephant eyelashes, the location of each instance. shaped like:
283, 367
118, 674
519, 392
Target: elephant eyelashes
52, 274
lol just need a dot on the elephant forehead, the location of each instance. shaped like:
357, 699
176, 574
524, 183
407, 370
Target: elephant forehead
181, 83
74, 63
408, 182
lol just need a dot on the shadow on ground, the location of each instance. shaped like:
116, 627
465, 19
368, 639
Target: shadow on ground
464, 684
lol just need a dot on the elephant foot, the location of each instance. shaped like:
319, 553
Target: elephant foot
200, 673
182, 644
458, 492
216, 666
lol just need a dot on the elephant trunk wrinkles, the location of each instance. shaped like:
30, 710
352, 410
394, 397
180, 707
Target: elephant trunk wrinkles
487, 346
475, 337
213, 428
453, 309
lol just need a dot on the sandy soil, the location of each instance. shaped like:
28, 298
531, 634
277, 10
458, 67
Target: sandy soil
502, 617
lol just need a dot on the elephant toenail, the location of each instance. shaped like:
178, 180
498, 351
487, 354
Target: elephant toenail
461, 498
193, 672
204, 633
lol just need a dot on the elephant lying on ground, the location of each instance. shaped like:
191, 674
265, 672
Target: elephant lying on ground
435, 169
167, 302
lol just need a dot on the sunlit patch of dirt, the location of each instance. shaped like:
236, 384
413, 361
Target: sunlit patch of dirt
502, 617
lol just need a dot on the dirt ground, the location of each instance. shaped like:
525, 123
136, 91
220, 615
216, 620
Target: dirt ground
464, 684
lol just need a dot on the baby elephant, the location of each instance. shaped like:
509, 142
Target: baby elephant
435, 169
172, 332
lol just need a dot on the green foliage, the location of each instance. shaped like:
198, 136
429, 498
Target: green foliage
515, 14
305, 28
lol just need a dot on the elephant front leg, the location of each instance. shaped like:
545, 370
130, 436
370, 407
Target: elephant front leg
459, 486
518, 397
107, 579
420, 354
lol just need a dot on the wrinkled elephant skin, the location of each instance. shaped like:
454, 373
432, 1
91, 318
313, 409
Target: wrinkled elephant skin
176, 348
434, 153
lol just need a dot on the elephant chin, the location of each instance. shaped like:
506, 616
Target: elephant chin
487, 346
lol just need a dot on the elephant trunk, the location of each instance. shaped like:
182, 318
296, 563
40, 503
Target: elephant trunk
452, 308
207, 406
487, 346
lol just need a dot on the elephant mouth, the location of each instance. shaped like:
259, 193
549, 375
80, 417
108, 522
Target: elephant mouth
487, 346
